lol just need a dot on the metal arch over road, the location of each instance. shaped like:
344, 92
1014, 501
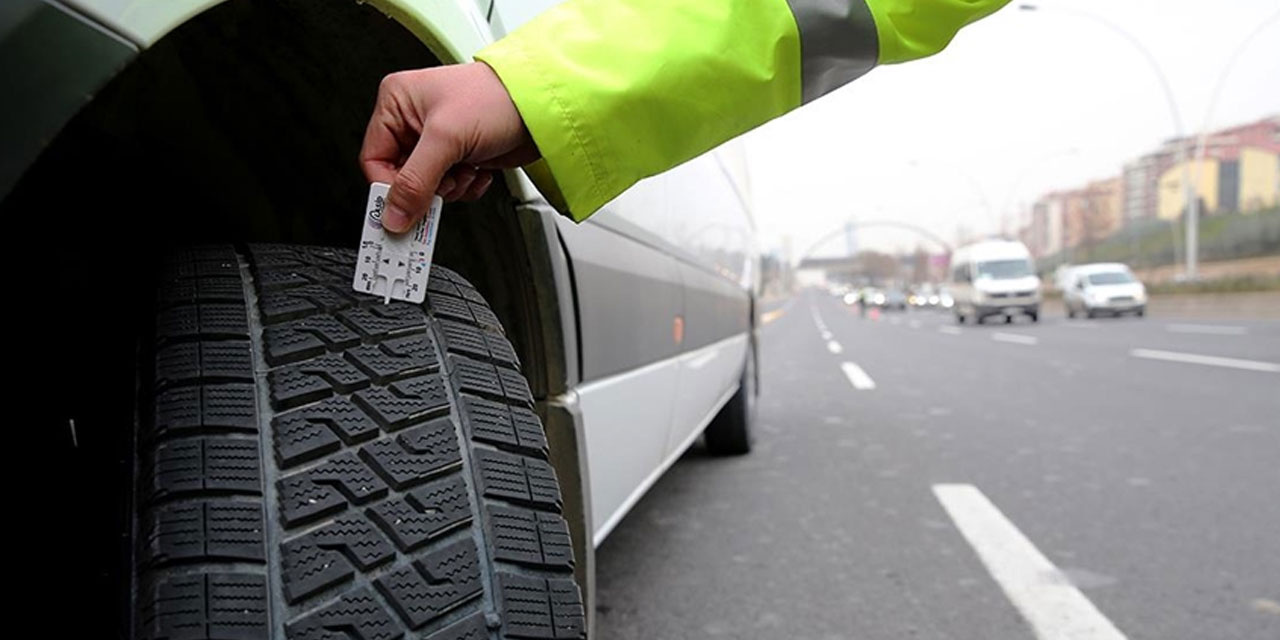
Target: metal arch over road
862, 224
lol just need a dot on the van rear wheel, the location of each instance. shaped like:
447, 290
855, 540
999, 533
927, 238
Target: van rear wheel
315, 464
731, 431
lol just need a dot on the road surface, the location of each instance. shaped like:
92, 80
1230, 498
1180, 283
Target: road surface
1110, 478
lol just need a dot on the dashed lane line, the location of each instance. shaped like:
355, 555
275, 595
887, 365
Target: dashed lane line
1213, 361
1015, 338
857, 377
834, 347
1048, 601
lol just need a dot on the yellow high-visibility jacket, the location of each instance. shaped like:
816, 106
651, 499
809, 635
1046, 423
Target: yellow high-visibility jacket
614, 91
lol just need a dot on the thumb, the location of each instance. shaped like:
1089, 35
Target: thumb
416, 183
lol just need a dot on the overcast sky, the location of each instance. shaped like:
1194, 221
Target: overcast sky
1020, 103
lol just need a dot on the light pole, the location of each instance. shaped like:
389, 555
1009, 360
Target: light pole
1188, 189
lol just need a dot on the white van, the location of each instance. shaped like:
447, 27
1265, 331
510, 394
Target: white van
994, 278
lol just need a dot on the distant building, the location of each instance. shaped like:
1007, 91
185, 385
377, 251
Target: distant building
1092, 213
1045, 233
1240, 172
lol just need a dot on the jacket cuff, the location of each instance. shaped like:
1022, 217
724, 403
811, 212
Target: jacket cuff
571, 174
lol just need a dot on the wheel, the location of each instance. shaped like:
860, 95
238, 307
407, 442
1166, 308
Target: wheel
316, 464
1035, 317
1008, 319
730, 432
1090, 313
960, 317
1141, 312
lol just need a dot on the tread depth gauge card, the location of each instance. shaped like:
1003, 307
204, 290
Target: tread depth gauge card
395, 265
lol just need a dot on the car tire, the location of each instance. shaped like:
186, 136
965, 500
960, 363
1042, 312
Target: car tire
1035, 317
731, 431
1141, 312
960, 319
312, 463
1090, 313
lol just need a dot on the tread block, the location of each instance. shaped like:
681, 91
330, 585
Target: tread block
403, 402
219, 320
426, 513
313, 380
331, 554
206, 361
306, 338
470, 628
205, 606
415, 454
478, 343
192, 291
484, 379
206, 529
310, 432
385, 320
434, 584
540, 608
354, 616
528, 537
505, 426
327, 489
287, 304
184, 410
221, 465
522, 480
450, 307
396, 357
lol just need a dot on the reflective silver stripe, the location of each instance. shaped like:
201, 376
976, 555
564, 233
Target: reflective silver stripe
838, 43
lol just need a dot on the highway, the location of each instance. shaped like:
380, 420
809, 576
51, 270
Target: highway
915, 478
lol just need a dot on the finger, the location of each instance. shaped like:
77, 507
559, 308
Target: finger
463, 176
417, 181
477, 188
381, 152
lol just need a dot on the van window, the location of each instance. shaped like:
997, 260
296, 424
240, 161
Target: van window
1004, 269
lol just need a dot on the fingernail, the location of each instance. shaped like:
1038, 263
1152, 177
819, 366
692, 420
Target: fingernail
395, 220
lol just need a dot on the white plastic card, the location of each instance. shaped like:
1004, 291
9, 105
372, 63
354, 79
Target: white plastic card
395, 265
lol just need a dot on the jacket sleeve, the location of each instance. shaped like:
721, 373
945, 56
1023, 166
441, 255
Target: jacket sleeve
614, 91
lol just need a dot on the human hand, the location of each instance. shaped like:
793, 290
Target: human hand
441, 130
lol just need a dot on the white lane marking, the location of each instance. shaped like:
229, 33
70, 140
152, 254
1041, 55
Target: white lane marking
1081, 325
826, 335
817, 319
834, 347
1053, 607
1014, 338
951, 331
1215, 361
1208, 329
857, 377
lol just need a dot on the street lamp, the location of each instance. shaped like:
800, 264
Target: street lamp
1188, 189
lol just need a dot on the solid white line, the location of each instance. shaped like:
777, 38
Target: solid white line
1209, 329
1053, 607
857, 377
1215, 361
1014, 338
834, 347
951, 331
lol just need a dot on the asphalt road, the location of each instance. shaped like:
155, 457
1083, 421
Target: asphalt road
1108, 488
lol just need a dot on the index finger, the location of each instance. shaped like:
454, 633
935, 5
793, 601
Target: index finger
380, 153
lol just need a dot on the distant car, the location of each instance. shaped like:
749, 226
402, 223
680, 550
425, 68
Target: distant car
894, 299
1103, 288
994, 278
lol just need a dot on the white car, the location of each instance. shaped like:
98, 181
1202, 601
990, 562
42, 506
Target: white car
1103, 288
994, 278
